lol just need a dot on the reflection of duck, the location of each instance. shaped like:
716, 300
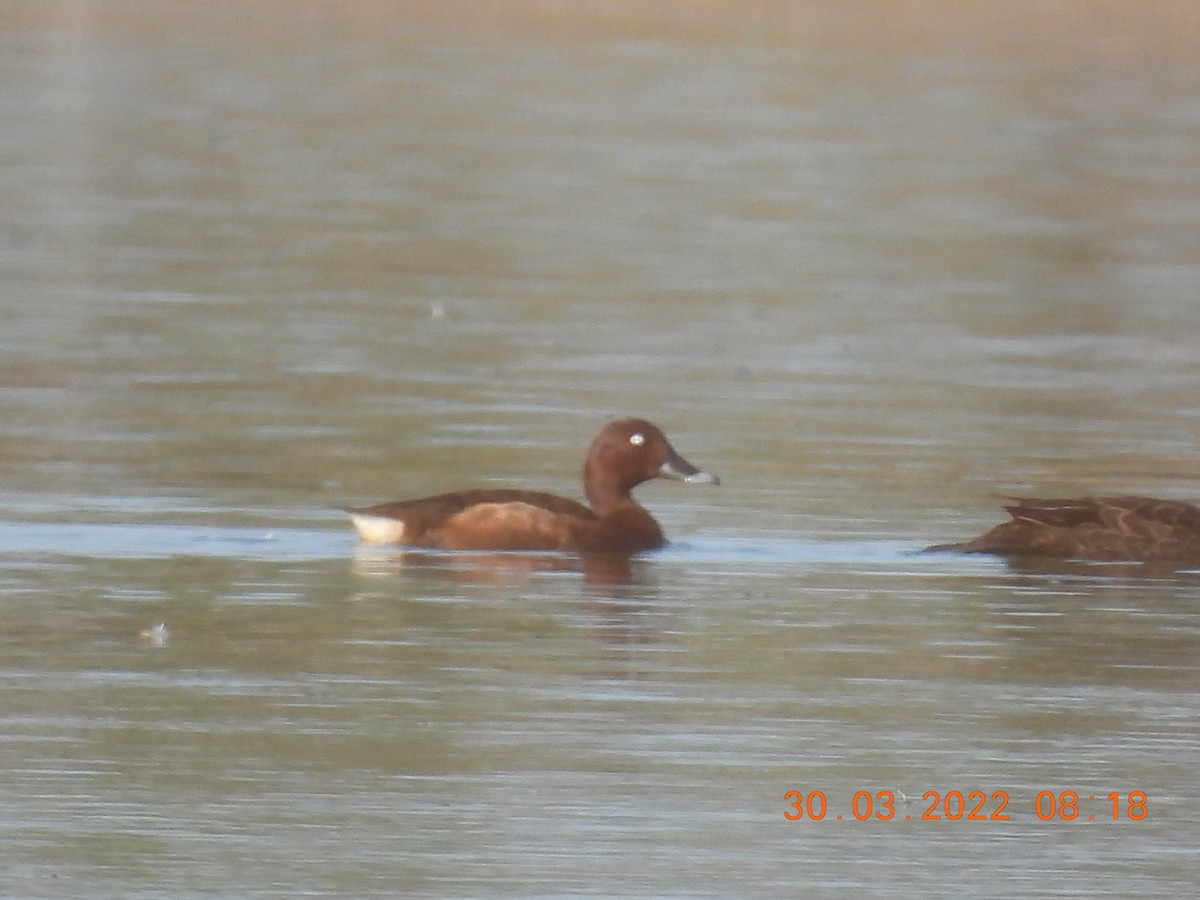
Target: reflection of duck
1134, 529
605, 574
624, 454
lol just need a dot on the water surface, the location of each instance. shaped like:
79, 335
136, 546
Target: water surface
872, 274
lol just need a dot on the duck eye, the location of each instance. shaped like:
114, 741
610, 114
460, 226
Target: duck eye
637, 439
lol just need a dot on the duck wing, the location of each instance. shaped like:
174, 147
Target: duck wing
1102, 528
421, 521
1123, 514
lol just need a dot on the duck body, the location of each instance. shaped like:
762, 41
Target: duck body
626, 453
1130, 529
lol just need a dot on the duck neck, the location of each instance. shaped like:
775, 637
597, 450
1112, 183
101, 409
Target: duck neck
605, 493
608, 500
625, 520
625, 525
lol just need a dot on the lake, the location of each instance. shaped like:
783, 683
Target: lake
875, 273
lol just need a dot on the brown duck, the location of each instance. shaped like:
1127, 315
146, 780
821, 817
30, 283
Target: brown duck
626, 453
1132, 529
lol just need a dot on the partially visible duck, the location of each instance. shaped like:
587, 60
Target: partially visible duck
1132, 529
624, 454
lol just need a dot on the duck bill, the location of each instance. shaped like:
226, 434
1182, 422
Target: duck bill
678, 468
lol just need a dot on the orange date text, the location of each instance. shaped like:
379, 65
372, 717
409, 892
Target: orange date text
966, 806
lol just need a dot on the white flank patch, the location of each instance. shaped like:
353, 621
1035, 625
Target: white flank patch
378, 529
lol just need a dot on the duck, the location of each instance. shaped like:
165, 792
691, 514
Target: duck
626, 453
1110, 529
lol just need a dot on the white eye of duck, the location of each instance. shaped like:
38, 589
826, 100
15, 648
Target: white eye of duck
637, 439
